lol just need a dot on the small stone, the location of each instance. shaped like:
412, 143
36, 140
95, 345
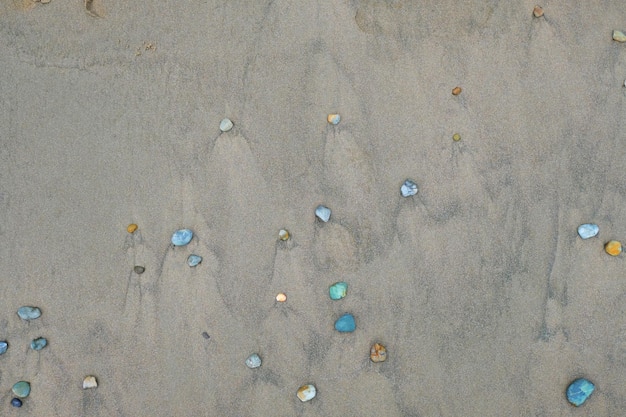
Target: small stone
619, 36
194, 260
306, 392
378, 353
3, 347
613, 248
588, 230
456, 137
333, 119
39, 343
182, 237
21, 389
226, 125
44, 1
323, 213
206, 335
456, 91
132, 228
338, 290
345, 323
579, 390
139, 269
538, 11
16, 402
408, 189
283, 235
29, 313
90, 381
253, 361
281, 297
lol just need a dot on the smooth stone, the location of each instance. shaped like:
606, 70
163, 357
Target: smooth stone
182, 237
3, 347
281, 297
283, 234
306, 392
29, 313
39, 343
619, 36
323, 213
139, 269
333, 119
538, 11
21, 389
408, 189
132, 228
588, 230
345, 323
253, 361
226, 125
579, 390
90, 381
16, 402
194, 260
338, 290
378, 353
456, 137
456, 91
613, 247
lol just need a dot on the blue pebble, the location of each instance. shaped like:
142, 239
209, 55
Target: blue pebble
338, 290
182, 237
194, 260
345, 323
39, 343
579, 391
588, 230
16, 402
29, 313
323, 213
408, 189
3, 347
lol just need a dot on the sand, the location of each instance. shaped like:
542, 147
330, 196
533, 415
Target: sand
487, 300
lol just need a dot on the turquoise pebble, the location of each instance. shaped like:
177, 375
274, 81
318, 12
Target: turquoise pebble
588, 230
3, 347
194, 260
21, 389
182, 237
323, 213
38, 343
579, 390
338, 290
345, 323
29, 313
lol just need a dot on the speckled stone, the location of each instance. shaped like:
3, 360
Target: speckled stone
306, 392
3, 347
226, 125
253, 361
579, 390
16, 402
588, 230
29, 313
39, 343
338, 290
408, 188
182, 237
323, 213
345, 323
21, 389
194, 260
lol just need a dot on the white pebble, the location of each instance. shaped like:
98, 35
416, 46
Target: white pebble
90, 382
226, 125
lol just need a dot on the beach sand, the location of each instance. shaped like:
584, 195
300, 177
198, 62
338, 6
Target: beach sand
488, 302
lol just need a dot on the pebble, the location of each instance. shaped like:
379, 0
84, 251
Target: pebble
182, 237
619, 36
323, 213
345, 323
39, 343
588, 230
283, 235
16, 402
132, 228
456, 91
281, 297
206, 335
378, 353
613, 247
338, 290
139, 269
253, 361
306, 392
333, 119
579, 390
194, 260
21, 389
29, 313
538, 11
226, 125
456, 137
408, 189
3, 347
90, 381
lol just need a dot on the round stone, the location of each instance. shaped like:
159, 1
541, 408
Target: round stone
323, 213
378, 353
283, 235
588, 230
456, 137
338, 290
281, 297
16, 402
194, 260
456, 91
90, 381
253, 361
39, 343
537, 11
408, 188
21, 389
29, 313
613, 248
306, 392
3, 347
579, 390
132, 228
182, 237
226, 125
333, 119
345, 323
139, 269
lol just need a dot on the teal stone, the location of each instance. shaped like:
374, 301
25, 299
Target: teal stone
38, 343
21, 389
29, 313
182, 237
345, 323
3, 347
579, 390
338, 290
194, 260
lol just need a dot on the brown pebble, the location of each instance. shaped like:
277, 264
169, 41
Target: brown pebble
613, 248
538, 11
378, 353
456, 91
132, 228
139, 269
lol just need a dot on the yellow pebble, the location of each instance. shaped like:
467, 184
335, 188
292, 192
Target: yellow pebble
456, 137
281, 297
132, 228
613, 248
283, 234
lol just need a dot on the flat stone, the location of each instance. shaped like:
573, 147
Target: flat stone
39, 343
253, 361
408, 189
182, 237
226, 125
378, 353
3, 347
194, 260
306, 392
345, 323
323, 213
29, 313
338, 290
90, 381
588, 230
538, 11
333, 119
16, 402
619, 36
579, 390
613, 247
21, 389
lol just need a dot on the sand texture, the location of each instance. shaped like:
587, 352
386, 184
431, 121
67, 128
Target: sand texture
488, 302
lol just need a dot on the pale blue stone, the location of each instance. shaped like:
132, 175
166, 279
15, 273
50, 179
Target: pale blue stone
338, 290
587, 230
29, 313
253, 361
21, 389
579, 391
194, 260
323, 213
408, 189
182, 237
38, 343
345, 323
3, 347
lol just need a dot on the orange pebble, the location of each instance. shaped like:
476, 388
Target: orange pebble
538, 11
378, 353
132, 228
613, 248
456, 91
281, 297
